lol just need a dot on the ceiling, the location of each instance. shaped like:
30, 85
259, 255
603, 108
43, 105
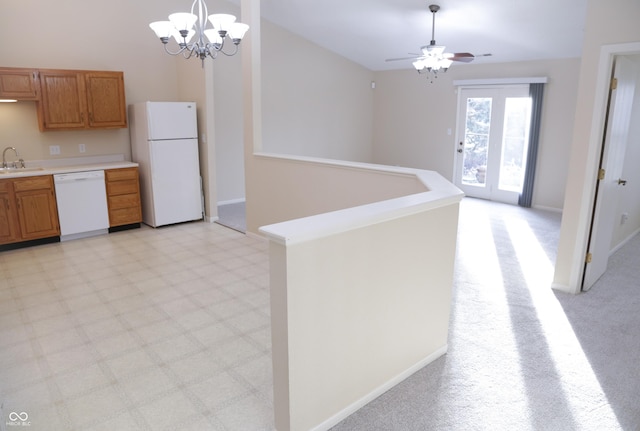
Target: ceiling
370, 31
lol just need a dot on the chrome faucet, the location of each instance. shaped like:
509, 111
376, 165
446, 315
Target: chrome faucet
4, 156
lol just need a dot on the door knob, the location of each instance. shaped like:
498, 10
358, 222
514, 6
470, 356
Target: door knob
622, 182
459, 150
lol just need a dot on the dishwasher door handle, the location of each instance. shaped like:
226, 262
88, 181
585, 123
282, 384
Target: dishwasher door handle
78, 176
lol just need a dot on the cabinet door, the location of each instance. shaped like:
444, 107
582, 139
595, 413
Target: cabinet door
105, 99
37, 210
19, 84
63, 100
8, 217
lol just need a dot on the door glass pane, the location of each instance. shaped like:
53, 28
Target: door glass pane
476, 140
515, 142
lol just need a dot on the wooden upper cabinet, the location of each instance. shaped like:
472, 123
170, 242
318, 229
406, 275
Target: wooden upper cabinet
63, 104
19, 84
72, 100
105, 99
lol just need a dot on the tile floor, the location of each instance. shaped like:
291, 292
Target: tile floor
147, 329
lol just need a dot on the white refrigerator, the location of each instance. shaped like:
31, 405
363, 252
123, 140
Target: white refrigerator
164, 143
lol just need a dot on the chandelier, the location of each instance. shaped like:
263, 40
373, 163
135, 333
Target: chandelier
183, 26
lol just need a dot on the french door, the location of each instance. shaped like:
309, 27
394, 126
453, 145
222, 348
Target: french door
493, 137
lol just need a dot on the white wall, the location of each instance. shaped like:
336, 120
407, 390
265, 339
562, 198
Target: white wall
315, 103
412, 117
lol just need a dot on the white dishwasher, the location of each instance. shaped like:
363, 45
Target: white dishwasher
82, 204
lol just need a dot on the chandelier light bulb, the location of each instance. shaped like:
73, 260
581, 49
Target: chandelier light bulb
222, 21
237, 31
163, 29
183, 21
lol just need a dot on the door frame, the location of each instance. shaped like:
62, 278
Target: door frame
574, 231
501, 90
607, 190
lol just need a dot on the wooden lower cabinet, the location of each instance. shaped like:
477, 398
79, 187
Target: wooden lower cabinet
29, 209
123, 196
8, 214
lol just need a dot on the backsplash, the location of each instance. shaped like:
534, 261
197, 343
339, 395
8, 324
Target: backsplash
74, 161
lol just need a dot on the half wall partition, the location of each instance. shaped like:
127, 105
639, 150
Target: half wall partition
360, 295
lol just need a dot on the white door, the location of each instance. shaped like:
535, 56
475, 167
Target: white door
493, 137
612, 162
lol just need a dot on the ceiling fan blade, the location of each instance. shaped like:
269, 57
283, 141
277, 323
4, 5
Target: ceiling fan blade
405, 58
464, 57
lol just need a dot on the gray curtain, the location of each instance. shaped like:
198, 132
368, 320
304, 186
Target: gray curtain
535, 91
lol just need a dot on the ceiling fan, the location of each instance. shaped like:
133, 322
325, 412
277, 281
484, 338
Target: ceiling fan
433, 57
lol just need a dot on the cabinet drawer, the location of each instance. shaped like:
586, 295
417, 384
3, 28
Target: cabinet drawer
121, 174
124, 201
122, 187
122, 216
33, 183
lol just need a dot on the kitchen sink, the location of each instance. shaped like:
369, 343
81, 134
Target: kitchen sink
18, 170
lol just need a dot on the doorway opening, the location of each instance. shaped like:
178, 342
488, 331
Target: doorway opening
616, 210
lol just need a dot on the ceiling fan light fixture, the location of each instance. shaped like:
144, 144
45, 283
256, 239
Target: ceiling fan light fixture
432, 50
433, 58
445, 63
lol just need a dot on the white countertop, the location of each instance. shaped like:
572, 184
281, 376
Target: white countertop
63, 166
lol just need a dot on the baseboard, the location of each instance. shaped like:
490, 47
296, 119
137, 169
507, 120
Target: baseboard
124, 227
551, 209
23, 244
256, 236
564, 288
209, 219
231, 201
624, 242
349, 410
